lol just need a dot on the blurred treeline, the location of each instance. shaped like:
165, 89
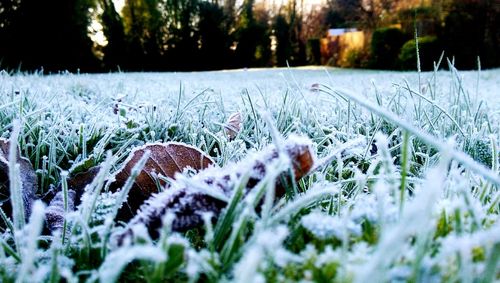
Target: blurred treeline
465, 32
184, 35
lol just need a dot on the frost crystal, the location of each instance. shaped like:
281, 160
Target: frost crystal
104, 207
325, 226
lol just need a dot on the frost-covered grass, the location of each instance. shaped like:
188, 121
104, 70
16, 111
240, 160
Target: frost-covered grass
422, 205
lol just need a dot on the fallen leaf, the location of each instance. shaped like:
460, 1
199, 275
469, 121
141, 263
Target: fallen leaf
78, 181
302, 162
233, 125
315, 87
55, 214
81, 174
208, 191
166, 159
28, 180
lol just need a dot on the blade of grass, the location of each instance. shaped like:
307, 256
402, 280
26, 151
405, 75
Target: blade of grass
463, 158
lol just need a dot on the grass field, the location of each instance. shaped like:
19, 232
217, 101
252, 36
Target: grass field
415, 200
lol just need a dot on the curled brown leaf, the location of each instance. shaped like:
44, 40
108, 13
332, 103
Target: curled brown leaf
233, 125
187, 202
28, 179
166, 159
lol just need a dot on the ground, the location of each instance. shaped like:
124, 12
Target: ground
412, 196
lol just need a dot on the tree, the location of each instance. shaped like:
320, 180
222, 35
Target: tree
246, 35
214, 43
263, 52
298, 56
288, 30
367, 14
115, 52
283, 44
230, 14
343, 13
315, 23
143, 29
472, 29
51, 35
182, 37
8, 16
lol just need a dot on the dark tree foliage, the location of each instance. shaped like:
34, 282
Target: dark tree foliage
283, 45
385, 47
214, 43
298, 56
143, 33
115, 52
313, 51
429, 50
366, 14
263, 54
181, 33
252, 37
229, 13
246, 35
472, 30
8, 16
343, 13
48, 34
288, 30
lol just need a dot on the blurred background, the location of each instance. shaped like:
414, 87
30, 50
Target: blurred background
192, 35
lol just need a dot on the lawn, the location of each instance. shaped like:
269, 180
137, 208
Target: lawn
404, 186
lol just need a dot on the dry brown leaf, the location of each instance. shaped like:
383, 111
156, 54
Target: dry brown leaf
233, 125
79, 181
28, 179
187, 203
315, 87
55, 213
165, 159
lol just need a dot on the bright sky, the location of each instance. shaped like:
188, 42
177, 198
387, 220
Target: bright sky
119, 5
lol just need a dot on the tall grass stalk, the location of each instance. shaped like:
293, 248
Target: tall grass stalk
310, 197
64, 185
136, 170
15, 184
404, 169
93, 190
30, 242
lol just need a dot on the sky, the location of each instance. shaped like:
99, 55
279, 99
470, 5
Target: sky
119, 4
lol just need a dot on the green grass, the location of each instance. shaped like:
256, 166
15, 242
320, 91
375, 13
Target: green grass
423, 208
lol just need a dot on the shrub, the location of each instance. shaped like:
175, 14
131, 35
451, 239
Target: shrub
354, 58
429, 51
385, 46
